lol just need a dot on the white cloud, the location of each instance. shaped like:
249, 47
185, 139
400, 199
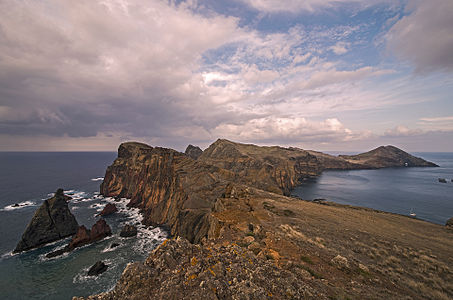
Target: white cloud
340, 48
287, 130
425, 36
292, 6
401, 130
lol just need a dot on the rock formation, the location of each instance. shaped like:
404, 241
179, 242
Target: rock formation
98, 268
128, 231
449, 223
52, 221
173, 189
250, 240
85, 236
109, 209
193, 151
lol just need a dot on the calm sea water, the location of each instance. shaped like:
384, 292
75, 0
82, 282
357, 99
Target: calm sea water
28, 179
397, 190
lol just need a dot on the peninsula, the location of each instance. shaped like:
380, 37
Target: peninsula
239, 234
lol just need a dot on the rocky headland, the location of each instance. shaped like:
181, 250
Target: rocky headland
242, 237
51, 222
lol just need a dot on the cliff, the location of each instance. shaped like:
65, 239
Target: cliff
250, 237
168, 186
52, 221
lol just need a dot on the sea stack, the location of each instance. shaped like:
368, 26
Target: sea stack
52, 221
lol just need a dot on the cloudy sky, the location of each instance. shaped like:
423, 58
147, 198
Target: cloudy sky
317, 74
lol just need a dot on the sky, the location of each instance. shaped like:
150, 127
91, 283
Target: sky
339, 75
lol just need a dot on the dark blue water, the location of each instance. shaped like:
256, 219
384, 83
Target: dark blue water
397, 190
28, 179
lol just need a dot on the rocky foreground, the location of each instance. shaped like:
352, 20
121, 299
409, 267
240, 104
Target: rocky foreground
241, 237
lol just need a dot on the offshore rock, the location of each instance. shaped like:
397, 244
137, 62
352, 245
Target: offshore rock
85, 236
52, 221
193, 151
128, 231
98, 268
109, 209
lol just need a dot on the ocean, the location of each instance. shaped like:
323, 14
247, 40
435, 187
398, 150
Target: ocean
27, 178
396, 190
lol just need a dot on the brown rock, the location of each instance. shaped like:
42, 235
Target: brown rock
109, 209
449, 223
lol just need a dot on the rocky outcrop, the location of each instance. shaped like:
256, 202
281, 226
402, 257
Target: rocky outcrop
98, 268
387, 156
84, 237
193, 151
220, 272
168, 186
449, 223
52, 221
128, 231
109, 209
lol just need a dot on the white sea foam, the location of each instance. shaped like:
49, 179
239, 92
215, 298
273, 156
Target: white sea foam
97, 179
18, 205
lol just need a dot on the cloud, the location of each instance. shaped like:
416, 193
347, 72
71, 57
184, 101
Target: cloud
437, 123
340, 48
292, 6
400, 131
425, 37
77, 69
287, 130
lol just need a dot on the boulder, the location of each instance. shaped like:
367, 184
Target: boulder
340, 262
52, 221
449, 223
128, 231
109, 209
98, 268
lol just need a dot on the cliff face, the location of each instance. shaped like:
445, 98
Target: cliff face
168, 186
52, 221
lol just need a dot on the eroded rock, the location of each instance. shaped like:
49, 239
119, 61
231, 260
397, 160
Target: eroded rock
52, 221
128, 231
98, 268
